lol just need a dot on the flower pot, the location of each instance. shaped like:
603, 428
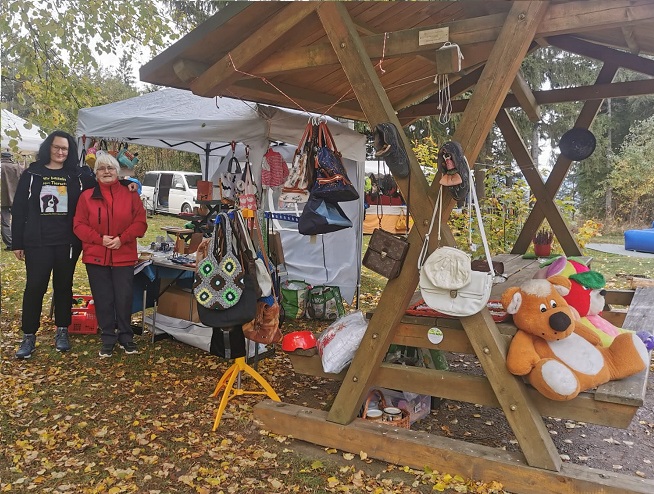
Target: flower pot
542, 250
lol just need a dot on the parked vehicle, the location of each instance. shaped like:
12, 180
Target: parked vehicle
170, 191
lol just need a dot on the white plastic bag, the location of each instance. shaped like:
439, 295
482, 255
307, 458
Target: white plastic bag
340, 341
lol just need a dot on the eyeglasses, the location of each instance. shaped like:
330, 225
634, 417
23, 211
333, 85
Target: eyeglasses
59, 149
105, 169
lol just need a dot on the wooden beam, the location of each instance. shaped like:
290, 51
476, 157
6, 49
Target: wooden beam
258, 90
469, 388
549, 97
630, 39
525, 97
608, 55
500, 71
188, 70
418, 449
530, 172
560, 19
594, 15
252, 51
561, 168
398, 292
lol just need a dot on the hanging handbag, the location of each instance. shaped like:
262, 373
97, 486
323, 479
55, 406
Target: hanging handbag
247, 198
229, 178
245, 308
219, 278
125, 158
274, 170
320, 216
332, 182
385, 254
296, 186
265, 326
256, 263
447, 282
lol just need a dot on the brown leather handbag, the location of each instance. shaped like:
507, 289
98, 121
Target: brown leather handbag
264, 328
386, 253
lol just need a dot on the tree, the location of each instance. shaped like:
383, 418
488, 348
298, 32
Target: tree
50, 48
631, 177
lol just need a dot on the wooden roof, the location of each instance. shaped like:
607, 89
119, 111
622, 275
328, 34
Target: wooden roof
279, 53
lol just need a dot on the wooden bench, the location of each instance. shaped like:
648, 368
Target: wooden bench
612, 404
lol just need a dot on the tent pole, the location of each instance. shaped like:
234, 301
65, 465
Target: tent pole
207, 152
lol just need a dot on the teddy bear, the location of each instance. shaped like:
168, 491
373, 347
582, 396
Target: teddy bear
560, 356
587, 298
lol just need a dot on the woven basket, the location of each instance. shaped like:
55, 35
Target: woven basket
377, 395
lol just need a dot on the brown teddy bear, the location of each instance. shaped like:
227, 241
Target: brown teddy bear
559, 355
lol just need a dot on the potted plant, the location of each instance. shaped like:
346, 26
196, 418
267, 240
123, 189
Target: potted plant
543, 242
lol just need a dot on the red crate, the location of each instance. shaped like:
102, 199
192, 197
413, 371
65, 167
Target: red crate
83, 317
84, 322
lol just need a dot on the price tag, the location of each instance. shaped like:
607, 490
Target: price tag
435, 335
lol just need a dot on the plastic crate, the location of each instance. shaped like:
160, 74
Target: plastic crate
83, 322
83, 317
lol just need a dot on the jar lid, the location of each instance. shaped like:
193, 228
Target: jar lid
392, 411
374, 414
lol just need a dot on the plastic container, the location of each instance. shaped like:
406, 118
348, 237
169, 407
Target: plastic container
83, 316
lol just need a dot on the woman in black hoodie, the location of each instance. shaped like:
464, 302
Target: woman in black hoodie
42, 235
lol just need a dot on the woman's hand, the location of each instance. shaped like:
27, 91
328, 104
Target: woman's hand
20, 254
111, 242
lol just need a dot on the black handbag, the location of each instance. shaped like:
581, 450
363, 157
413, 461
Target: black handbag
320, 216
228, 343
332, 182
385, 254
244, 311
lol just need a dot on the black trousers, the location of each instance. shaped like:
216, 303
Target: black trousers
40, 263
111, 287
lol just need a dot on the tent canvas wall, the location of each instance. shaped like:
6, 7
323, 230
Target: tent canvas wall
178, 119
29, 140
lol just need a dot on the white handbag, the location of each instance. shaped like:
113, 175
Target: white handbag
447, 282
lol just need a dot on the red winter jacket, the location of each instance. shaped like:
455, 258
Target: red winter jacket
109, 209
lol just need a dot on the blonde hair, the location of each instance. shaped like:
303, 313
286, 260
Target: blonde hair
106, 159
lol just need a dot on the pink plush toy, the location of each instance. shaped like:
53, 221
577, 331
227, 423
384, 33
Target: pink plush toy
586, 296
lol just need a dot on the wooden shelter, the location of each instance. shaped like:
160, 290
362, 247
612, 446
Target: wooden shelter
376, 62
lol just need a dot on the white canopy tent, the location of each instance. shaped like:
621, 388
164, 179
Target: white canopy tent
29, 140
178, 119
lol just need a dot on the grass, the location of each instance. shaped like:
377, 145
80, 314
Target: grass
142, 423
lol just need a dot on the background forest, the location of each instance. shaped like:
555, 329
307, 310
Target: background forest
52, 69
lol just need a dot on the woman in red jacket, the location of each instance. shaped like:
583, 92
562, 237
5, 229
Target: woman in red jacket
108, 220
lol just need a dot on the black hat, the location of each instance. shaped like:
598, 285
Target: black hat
6, 154
577, 144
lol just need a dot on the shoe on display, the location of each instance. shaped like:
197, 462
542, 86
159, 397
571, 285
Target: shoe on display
389, 146
27, 346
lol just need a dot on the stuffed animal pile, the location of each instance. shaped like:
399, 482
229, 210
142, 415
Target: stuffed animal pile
560, 356
587, 298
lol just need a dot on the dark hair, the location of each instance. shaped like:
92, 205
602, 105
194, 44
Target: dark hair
43, 157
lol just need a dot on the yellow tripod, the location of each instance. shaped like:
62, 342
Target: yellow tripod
233, 374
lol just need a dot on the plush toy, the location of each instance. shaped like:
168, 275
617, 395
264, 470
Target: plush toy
560, 356
587, 298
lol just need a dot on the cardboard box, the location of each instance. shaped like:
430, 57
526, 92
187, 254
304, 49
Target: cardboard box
179, 303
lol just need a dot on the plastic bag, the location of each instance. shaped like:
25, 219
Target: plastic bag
338, 344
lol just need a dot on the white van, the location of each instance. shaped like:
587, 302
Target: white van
170, 191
